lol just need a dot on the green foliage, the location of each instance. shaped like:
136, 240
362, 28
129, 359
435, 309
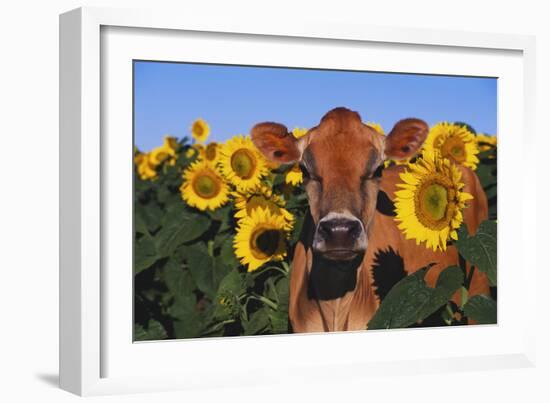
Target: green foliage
481, 249
411, 300
482, 309
152, 331
188, 281
487, 174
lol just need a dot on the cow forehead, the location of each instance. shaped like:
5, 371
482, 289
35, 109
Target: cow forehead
343, 152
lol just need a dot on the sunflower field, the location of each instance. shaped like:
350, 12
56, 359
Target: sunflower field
215, 226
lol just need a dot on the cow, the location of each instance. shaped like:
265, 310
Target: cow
350, 233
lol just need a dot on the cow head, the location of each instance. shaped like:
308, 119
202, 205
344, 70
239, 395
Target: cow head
341, 161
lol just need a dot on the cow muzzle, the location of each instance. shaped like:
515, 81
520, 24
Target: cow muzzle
340, 236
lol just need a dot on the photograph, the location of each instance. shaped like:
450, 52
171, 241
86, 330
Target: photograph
279, 200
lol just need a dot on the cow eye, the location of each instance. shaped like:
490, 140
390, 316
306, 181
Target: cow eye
307, 176
305, 172
375, 175
378, 172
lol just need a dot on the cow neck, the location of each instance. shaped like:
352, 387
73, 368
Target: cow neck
330, 279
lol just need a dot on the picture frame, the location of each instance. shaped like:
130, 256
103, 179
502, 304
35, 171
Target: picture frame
97, 356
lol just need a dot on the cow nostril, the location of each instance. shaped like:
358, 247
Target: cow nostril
325, 229
354, 228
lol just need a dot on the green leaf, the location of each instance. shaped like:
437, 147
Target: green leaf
279, 320
145, 254
140, 225
232, 283
482, 309
258, 323
227, 253
270, 291
224, 215
147, 217
179, 226
412, 300
283, 288
487, 174
206, 270
463, 296
177, 279
153, 331
188, 319
491, 191
226, 304
297, 228
481, 249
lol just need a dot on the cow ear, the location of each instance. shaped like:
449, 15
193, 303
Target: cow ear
276, 143
406, 139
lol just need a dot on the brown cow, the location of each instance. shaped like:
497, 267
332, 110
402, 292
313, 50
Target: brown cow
351, 230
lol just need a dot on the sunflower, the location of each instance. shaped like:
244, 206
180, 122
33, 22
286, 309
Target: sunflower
294, 176
166, 152
194, 151
145, 168
200, 130
377, 127
242, 164
211, 152
299, 132
203, 187
260, 238
263, 197
430, 202
171, 143
485, 142
454, 142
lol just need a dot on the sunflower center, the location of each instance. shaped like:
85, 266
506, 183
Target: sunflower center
265, 243
206, 186
454, 148
198, 129
210, 151
434, 203
243, 163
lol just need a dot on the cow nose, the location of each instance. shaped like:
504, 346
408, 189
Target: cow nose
340, 230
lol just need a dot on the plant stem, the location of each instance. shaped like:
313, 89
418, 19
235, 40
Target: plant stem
265, 300
217, 326
210, 245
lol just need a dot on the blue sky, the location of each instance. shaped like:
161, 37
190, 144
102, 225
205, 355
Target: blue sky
169, 96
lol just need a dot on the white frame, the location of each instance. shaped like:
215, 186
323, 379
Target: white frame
81, 307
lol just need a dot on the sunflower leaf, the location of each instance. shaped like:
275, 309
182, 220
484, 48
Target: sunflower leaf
279, 321
411, 300
177, 279
188, 319
207, 271
481, 249
482, 309
232, 283
227, 252
258, 323
179, 226
145, 254
153, 331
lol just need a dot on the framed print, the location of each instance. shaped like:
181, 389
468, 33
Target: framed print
249, 193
